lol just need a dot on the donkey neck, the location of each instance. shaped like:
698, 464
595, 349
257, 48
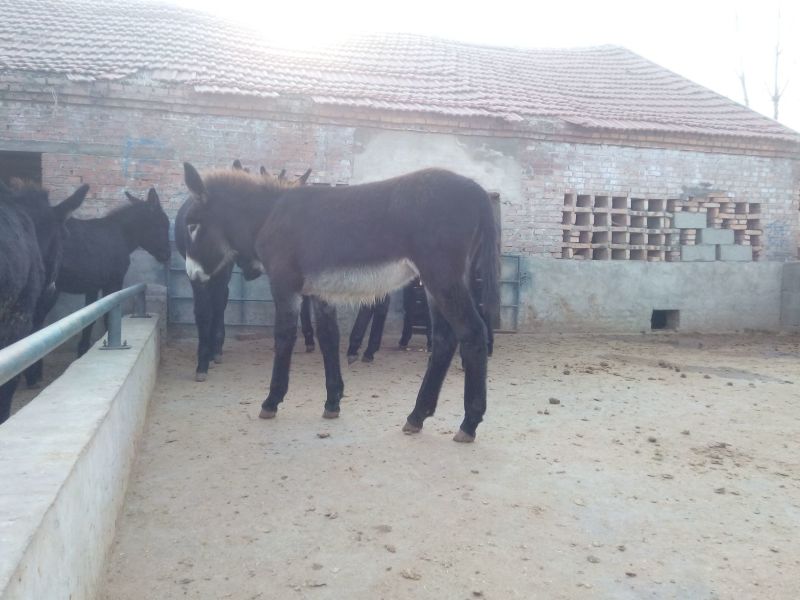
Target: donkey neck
130, 220
254, 213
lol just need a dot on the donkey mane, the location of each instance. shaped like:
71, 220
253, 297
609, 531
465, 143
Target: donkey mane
245, 186
121, 210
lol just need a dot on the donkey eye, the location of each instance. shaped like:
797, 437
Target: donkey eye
192, 227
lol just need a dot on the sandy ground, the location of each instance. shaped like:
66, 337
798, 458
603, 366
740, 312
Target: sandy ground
607, 467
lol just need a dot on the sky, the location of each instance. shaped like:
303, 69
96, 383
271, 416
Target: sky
709, 42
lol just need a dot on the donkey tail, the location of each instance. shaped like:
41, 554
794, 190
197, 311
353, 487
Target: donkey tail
487, 262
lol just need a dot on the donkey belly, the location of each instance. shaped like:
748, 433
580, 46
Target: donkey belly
357, 285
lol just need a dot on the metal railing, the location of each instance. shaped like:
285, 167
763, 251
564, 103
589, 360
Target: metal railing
20, 355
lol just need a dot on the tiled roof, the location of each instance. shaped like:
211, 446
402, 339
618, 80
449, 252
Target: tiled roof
603, 87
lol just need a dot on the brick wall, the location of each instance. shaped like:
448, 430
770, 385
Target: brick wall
114, 148
552, 169
130, 135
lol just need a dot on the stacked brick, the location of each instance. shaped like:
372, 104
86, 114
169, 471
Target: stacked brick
722, 227
606, 227
618, 228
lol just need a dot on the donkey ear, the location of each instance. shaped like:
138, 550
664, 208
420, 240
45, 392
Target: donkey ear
152, 197
304, 177
71, 204
262, 170
194, 182
131, 198
237, 165
282, 175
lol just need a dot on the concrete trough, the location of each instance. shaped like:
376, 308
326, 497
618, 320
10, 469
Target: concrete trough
64, 466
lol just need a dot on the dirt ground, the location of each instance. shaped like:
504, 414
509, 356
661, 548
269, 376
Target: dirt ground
607, 467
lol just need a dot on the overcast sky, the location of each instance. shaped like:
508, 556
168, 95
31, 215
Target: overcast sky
697, 39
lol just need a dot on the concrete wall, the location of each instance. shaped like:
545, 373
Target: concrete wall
790, 297
619, 296
64, 465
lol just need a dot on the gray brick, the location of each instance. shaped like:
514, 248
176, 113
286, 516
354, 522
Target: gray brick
715, 236
733, 253
698, 253
687, 220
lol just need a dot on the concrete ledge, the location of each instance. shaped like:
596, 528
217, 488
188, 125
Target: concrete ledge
64, 465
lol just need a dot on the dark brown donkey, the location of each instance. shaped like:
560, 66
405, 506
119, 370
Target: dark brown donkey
352, 245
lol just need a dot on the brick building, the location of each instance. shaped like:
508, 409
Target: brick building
624, 188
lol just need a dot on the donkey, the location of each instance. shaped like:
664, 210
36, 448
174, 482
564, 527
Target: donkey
211, 296
31, 238
352, 245
97, 256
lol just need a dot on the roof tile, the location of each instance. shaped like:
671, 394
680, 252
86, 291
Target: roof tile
603, 87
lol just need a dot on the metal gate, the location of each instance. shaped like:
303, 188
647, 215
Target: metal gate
510, 277
251, 303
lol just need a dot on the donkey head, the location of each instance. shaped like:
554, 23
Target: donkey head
207, 250
48, 221
224, 219
153, 225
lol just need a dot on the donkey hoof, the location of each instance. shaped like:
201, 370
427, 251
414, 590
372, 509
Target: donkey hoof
351, 358
409, 427
463, 438
367, 359
200, 376
330, 414
218, 359
310, 347
267, 414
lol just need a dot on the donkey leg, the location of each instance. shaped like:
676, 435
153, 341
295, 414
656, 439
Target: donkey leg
455, 303
6, 395
328, 336
34, 373
202, 319
380, 312
218, 290
86, 336
359, 329
287, 307
444, 347
305, 323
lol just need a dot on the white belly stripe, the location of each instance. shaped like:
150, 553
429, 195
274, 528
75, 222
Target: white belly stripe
360, 285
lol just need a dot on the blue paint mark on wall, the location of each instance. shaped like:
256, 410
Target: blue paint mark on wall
141, 151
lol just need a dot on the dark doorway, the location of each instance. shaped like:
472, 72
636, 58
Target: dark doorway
665, 319
25, 165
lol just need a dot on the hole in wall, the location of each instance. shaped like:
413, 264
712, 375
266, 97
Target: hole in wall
662, 320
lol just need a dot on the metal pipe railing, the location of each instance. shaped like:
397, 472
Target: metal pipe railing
19, 356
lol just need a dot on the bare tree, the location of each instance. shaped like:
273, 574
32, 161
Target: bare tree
740, 73
777, 91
